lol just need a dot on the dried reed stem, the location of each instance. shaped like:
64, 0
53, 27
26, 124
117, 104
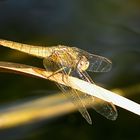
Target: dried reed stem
76, 83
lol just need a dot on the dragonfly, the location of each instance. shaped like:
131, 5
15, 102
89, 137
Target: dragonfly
72, 61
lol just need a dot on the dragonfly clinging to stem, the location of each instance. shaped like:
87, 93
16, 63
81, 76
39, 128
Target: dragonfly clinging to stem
72, 61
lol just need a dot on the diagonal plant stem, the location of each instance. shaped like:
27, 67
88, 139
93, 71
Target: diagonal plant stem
76, 83
34, 110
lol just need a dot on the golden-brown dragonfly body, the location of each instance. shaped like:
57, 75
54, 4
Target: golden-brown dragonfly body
75, 62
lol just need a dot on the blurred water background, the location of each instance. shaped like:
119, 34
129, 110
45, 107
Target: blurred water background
106, 27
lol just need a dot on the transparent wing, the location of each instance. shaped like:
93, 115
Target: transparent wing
96, 63
72, 94
104, 108
75, 98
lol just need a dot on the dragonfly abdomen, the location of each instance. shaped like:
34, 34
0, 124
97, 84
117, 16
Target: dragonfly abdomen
37, 51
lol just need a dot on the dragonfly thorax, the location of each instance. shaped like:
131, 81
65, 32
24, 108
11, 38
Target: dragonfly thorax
69, 58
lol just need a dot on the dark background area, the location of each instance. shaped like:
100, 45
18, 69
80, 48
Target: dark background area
110, 28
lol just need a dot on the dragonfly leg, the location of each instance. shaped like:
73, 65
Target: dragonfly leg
56, 72
68, 74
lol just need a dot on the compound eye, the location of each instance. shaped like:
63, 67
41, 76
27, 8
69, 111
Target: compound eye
83, 64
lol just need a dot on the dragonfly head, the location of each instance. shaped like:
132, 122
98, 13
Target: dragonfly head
83, 63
